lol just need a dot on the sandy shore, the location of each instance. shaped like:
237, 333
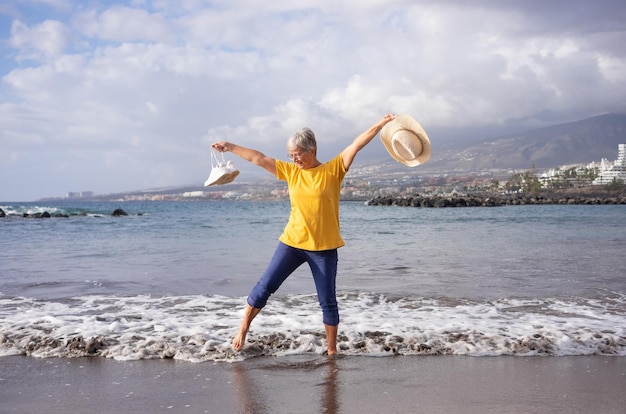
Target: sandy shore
316, 384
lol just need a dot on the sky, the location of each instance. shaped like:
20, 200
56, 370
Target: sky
113, 96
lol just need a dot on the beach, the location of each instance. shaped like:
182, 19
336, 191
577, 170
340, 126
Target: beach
514, 309
316, 384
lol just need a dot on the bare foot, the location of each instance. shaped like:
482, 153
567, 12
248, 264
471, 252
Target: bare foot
240, 339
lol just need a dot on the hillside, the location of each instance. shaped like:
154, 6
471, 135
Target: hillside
582, 141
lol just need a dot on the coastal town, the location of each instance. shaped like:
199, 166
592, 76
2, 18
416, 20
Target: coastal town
368, 182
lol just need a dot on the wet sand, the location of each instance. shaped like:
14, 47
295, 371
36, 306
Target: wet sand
316, 384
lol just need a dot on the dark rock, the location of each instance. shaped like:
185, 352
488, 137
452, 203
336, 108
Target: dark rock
437, 201
45, 214
119, 212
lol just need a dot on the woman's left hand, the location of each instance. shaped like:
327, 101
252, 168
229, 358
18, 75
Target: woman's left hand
386, 119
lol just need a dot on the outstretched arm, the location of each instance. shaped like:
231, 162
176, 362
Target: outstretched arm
254, 156
362, 140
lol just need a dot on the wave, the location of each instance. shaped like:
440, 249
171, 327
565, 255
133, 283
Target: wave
37, 210
34, 210
199, 328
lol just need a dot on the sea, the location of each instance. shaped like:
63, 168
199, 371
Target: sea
170, 280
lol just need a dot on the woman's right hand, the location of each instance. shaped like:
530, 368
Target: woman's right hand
222, 146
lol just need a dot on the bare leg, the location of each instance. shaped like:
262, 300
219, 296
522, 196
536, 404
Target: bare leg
331, 338
240, 339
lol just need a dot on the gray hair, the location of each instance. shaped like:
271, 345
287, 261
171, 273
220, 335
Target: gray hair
303, 139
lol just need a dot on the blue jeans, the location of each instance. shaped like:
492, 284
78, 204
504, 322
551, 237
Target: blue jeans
286, 260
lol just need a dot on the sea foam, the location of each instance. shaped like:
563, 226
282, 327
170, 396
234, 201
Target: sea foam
200, 328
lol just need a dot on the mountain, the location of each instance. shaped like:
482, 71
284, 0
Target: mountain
579, 142
576, 142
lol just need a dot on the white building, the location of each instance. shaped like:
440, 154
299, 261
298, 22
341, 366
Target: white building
81, 194
616, 171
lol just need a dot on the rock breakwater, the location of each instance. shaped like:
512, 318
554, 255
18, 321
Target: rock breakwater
439, 201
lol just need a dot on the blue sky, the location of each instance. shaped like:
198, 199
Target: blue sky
127, 95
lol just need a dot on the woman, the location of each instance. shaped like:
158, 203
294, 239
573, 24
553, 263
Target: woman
312, 233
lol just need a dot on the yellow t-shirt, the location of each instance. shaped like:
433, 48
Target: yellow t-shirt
314, 194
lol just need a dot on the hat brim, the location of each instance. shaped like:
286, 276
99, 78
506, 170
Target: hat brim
406, 122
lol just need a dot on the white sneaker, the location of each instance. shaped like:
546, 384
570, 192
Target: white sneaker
222, 173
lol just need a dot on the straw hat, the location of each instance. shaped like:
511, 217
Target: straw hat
406, 141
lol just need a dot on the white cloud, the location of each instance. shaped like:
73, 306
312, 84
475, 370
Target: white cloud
612, 68
124, 24
45, 40
141, 88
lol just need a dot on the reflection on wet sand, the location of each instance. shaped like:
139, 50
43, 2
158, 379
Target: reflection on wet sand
249, 393
249, 398
330, 401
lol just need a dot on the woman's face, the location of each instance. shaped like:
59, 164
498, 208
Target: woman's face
303, 159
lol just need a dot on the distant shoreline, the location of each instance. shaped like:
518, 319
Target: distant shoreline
579, 196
